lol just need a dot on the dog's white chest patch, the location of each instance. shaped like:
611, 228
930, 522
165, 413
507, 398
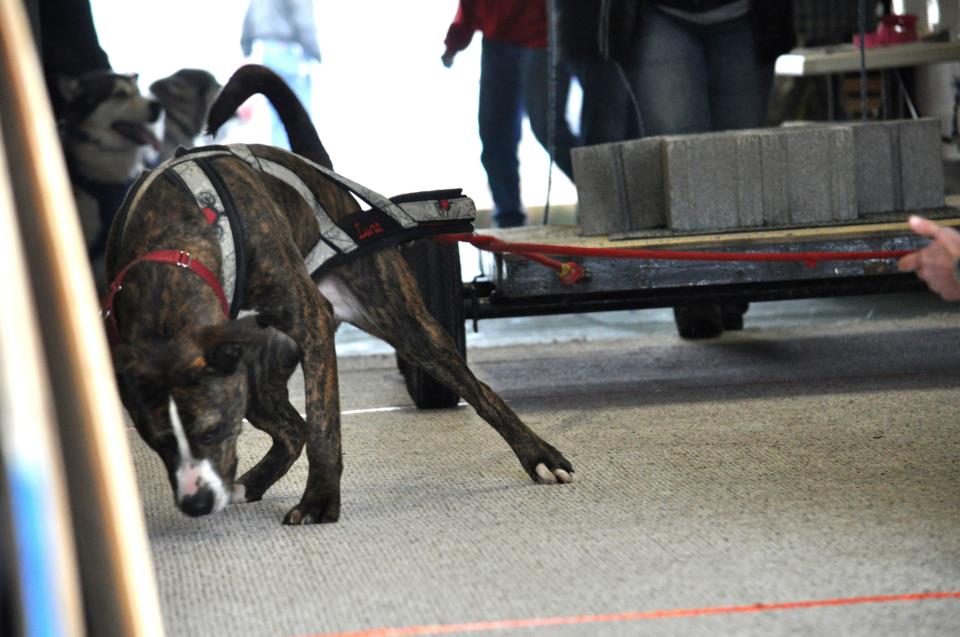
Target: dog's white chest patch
346, 307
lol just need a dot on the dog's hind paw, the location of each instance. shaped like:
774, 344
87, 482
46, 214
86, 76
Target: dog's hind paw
557, 476
305, 513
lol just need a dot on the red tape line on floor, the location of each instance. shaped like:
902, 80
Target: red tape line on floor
537, 622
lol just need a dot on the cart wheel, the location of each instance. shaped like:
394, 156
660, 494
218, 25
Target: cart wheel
437, 269
708, 320
703, 320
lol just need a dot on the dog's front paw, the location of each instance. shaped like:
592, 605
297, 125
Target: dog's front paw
238, 495
313, 513
244, 493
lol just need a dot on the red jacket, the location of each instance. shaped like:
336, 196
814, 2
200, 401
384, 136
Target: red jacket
522, 22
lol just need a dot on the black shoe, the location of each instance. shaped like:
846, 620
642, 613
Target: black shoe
704, 320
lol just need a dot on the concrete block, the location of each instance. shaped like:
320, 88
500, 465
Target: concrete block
821, 174
749, 181
644, 183
714, 180
899, 165
701, 178
601, 198
843, 186
620, 186
774, 179
876, 147
921, 164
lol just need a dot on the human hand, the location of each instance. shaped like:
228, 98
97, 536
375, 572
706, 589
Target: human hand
935, 264
447, 58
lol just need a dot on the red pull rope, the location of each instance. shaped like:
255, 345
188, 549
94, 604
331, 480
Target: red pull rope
535, 252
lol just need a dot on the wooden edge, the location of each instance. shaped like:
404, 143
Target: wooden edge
29, 440
560, 235
119, 583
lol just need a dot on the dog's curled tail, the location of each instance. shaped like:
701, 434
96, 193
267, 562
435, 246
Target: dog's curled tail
251, 79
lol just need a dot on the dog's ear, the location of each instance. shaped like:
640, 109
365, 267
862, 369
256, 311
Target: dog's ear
68, 87
139, 375
130, 361
224, 346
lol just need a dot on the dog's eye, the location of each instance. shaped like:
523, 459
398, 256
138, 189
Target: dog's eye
214, 436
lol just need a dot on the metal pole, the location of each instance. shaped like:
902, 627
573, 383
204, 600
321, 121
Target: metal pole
552, 61
862, 17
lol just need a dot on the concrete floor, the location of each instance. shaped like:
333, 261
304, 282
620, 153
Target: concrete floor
813, 457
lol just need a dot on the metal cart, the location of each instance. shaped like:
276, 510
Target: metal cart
512, 286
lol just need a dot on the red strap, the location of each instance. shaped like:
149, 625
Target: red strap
173, 257
810, 259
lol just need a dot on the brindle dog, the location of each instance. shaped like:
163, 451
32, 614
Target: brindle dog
188, 375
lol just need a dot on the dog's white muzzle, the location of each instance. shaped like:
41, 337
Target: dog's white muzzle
199, 489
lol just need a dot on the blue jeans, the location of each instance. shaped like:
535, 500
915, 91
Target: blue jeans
513, 82
289, 62
608, 113
690, 78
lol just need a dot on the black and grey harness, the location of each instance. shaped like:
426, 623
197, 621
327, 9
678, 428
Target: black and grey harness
387, 222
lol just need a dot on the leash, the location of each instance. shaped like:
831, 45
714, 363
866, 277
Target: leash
570, 272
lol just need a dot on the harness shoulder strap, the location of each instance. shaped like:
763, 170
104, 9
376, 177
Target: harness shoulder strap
203, 182
386, 223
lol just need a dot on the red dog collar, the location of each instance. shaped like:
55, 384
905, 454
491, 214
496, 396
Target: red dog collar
173, 257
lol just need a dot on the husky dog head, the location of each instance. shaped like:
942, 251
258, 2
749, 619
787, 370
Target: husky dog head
186, 97
107, 126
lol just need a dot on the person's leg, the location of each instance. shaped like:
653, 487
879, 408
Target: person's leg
668, 74
536, 98
739, 98
607, 114
500, 117
739, 84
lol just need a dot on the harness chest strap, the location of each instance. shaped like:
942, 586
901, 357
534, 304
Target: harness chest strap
178, 258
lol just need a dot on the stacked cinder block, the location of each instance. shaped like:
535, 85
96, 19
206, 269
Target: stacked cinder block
623, 186
809, 175
896, 168
712, 181
774, 177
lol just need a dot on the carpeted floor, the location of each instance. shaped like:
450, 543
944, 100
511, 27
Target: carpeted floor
776, 465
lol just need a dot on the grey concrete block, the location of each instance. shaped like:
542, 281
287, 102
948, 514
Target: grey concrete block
620, 187
876, 147
821, 174
899, 165
601, 198
921, 164
843, 174
701, 178
749, 180
714, 181
644, 182
775, 179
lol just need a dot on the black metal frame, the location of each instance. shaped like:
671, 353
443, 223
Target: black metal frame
481, 300
512, 287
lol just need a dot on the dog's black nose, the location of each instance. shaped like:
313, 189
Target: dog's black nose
200, 503
155, 109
